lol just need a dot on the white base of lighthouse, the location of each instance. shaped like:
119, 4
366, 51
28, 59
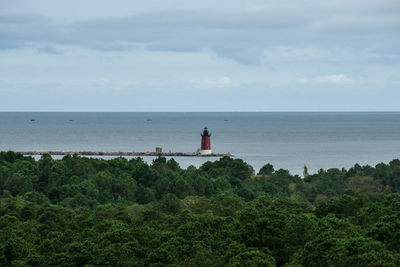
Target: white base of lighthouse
205, 152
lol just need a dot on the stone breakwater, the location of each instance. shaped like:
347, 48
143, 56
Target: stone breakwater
122, 154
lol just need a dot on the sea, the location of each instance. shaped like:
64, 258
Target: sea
287, 140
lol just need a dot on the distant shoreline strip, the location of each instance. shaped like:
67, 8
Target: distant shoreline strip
137, 154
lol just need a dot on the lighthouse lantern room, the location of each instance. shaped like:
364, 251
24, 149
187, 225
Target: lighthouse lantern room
205, 143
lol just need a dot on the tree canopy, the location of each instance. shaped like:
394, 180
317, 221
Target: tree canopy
90, 211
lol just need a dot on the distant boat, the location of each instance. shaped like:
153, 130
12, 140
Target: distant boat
149, 120
32, 120
226, 120
71, 120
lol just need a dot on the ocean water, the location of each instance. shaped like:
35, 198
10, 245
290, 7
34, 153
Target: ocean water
286, 140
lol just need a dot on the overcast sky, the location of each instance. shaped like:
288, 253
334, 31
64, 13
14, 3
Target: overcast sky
94, 55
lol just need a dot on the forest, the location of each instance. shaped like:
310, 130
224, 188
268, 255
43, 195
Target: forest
80, 211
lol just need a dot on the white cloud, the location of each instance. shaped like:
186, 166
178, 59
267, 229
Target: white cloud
334, 78
327, 79
221, 82
303, 80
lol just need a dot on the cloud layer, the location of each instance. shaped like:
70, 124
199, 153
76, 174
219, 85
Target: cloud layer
253, 55
239, 35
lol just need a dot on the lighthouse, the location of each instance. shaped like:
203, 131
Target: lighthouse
205, 143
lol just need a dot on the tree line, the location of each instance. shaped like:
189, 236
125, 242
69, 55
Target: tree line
80, 211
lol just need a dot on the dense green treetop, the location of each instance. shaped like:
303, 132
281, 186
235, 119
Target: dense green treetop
81, 211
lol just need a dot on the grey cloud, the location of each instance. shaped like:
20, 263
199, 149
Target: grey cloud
237, 36
6, 45
192, 19
20, 30
49, 50
241, 36
23, 18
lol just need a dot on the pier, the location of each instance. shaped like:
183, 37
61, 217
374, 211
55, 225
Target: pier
123, 154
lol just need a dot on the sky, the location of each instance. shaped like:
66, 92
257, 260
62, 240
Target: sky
180, 55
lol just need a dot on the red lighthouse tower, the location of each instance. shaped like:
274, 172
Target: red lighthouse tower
205, 143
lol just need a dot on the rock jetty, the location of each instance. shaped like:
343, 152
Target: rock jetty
121, 154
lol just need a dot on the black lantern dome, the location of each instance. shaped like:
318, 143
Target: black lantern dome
205, 132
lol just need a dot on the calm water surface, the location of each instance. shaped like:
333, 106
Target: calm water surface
286, 140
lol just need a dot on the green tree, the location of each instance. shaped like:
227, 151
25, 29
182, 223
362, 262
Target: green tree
170, 204
267, 169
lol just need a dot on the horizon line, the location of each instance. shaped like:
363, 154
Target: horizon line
255, 111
